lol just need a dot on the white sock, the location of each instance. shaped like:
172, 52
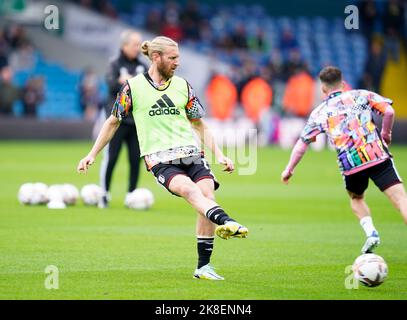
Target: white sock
367, 224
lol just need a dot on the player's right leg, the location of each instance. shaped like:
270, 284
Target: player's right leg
186, 188
178, 183
175, 179
202, 175
205, 232
362, 211
356, 185
398, 197
387, 179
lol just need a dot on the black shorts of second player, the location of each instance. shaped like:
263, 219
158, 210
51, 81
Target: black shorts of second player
196, 168
384, 175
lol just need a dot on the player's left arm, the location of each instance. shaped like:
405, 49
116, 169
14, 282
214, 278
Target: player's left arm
296, 155
195, 112
383, 107
208, 139
309, 134
387, 124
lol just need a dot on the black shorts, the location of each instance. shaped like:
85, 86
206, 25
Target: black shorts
195, 167
384, 175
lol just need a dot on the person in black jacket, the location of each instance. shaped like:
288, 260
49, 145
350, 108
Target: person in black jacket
127, 65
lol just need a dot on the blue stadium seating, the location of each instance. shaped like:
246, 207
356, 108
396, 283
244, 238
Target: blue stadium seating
61, 90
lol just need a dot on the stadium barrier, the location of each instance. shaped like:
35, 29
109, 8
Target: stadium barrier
34, 129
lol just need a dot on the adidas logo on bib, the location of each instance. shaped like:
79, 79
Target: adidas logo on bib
163, 106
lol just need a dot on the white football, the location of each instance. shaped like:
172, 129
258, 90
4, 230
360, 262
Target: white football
91, 194
139, 199
26, 193
40, 195
70, 194
55, 193
370, 269
56, 204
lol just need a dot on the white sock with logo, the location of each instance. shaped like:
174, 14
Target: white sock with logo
367, 224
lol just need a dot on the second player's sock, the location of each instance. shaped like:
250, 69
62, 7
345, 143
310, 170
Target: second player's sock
218, 216
205, 247
367, 224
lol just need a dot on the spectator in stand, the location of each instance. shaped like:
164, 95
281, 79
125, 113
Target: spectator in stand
279, 78
224, 41
288, 42
172, 27
248, 72
192, 11
153, 21
172, 9
239, 37
15, 36
277, 66
369, 17
106, 8
375, 65
9, 93
294, 62
89, 94
190, 29
32, 96
393, 21
206, 33
191, 20
4, 49
257, 41
3, 61
23, 58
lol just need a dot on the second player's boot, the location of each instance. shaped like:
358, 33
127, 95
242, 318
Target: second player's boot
371, 243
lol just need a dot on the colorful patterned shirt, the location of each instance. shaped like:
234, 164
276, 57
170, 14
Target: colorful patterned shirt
194, 110
347, 120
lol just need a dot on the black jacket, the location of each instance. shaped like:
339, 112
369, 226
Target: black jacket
116, 66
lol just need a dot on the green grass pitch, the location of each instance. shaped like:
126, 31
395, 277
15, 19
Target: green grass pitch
302, 236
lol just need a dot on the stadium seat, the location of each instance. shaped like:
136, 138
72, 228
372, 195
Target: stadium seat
60, 90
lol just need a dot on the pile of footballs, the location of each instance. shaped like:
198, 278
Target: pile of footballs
59, 196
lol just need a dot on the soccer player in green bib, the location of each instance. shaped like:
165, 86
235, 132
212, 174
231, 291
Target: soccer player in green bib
166, 112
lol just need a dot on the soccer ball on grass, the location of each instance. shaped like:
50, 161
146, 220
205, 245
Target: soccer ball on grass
91, 194
370, 269
139, 199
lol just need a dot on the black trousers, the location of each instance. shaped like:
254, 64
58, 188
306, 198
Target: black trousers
125, 133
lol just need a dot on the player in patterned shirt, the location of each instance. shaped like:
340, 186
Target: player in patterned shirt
346, 117
166, 112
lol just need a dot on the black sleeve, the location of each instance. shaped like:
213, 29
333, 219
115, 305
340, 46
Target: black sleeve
112, 78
